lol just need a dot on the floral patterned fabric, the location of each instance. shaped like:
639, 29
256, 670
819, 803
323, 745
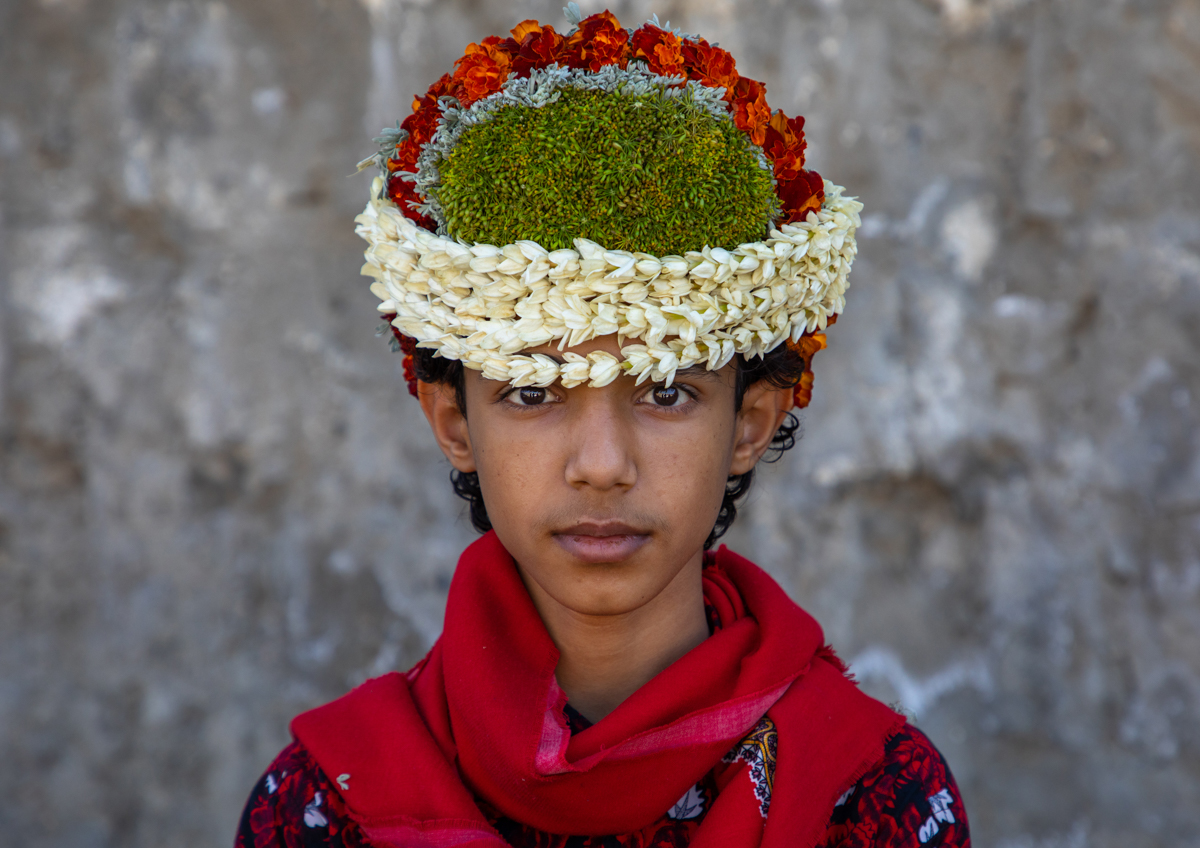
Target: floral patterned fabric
908, 798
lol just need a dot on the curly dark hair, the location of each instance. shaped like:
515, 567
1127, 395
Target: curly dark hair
781, 368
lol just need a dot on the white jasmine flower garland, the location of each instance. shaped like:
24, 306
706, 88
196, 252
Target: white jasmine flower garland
484, 305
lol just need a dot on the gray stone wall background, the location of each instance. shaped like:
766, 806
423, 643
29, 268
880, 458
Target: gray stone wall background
219, 507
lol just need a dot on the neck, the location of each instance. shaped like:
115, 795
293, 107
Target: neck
603, 659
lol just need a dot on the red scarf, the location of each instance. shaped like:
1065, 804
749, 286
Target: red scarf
482, 716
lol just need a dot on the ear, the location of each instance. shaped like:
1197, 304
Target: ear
764, 408
448, 423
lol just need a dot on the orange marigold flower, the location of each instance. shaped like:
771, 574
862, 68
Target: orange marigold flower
710, 66
802, 393
599, 41
538, 48
483, 69
753, 115
809, 344
446, 84
787, 166
789, 130
661, 50
497, 48
801, 195
524, 28
480, 76
807, 348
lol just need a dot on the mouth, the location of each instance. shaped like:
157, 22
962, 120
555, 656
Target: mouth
601, 541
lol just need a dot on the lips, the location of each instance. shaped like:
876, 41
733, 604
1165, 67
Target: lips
601, 541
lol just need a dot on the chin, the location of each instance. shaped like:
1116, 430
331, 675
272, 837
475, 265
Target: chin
609, 588
607, 604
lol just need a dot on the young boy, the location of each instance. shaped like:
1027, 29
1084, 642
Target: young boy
605, 678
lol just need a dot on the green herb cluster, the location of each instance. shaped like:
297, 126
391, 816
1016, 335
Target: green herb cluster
647, 173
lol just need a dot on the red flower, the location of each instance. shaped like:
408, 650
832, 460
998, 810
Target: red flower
422, 123
408, 346
484, 68
404, 194
784, 145
661, 50
599, 41
785, 136
753, 115
800, 196
405, 157
539, 47
710, 66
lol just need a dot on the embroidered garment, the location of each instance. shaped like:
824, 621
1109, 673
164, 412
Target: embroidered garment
757, 719
907, 800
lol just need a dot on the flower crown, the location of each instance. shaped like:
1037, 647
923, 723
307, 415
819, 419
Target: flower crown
559, 187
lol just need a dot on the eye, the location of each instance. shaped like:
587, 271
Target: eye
528, 396
668, 396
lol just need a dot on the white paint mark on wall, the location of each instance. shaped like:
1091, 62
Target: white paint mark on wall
938, 382
924, 205
137, 173
60, 301
916, 694
268, 101
838, 468
10, 137
969, 238
965, 15
928, 200
1018, 306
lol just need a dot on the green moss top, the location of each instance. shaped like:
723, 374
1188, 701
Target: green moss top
644, 173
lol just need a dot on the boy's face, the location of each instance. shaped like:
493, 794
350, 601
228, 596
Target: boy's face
604, 495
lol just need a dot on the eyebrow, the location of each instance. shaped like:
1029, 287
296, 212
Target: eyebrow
695, 372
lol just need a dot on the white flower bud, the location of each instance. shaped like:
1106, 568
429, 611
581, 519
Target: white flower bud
675, 266
547, 370
604, 368
574, 371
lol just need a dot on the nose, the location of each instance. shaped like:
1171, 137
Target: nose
602, 451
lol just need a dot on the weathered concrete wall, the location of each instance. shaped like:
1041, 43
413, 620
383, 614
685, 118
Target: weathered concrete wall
220, 507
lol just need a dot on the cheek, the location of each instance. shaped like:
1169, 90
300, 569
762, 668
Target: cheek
514, 468
687, 465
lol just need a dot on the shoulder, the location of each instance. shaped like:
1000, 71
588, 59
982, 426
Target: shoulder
294, 805
908, 798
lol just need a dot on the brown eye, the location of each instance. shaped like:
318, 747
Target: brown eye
667, 396
529, 396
